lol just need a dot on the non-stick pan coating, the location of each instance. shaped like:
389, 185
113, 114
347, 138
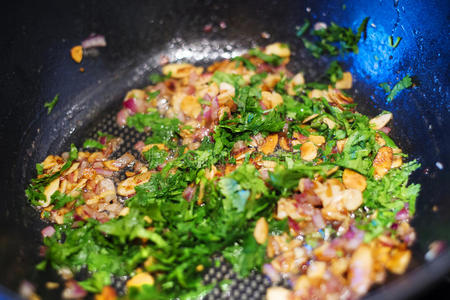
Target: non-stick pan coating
36, 65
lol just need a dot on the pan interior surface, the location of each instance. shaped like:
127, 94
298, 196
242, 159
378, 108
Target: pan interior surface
138, 34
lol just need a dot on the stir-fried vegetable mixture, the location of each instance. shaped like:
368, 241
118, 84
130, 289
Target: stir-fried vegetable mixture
243, 159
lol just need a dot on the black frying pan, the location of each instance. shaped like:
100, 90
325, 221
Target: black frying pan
35, 65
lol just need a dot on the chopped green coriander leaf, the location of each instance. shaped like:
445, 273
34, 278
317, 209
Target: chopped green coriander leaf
50, 105
155, 157
233, 79
392, 43
386, 197
399, 86
35, 190
96, 282
163, 129
46, 214
241, 179
204, 102
156, 78
152, 95
248, 64
59, 200
103, 134
257, 78
301, 30
362, 29
334, 72
335, 40
39, 169
246, 257
270, 59
90, 143
385, 87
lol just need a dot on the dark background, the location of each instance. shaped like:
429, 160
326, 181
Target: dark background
36, 38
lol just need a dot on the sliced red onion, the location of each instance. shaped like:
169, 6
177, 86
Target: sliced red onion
48, 231
103, 172
262, 105
188, 193
354, 237
409, 238
222, 25
350, 234
122, 116
207, 97
161, 166
94, 41
207, 114
190, 90
112, 146
200, 134
305, 208
293, 224
97, 164
139, 146
402, 214
73, 290
264, 67
107, 185
386, 130
317, 219
71, 177
83, 165
308, 185
124, 160
308, 197
273, 275
131, 105
215, 109
102, 140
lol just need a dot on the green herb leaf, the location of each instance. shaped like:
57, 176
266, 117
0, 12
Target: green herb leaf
270, 59
50, 105
335, 39
39, 169
155, 157
152, 95
248, 64
301, 30
60, 200
391, 41
334, 72
163, 129
156, 78
387, 196
398, 87
233, 79
246, 257
90, 143
96, 283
